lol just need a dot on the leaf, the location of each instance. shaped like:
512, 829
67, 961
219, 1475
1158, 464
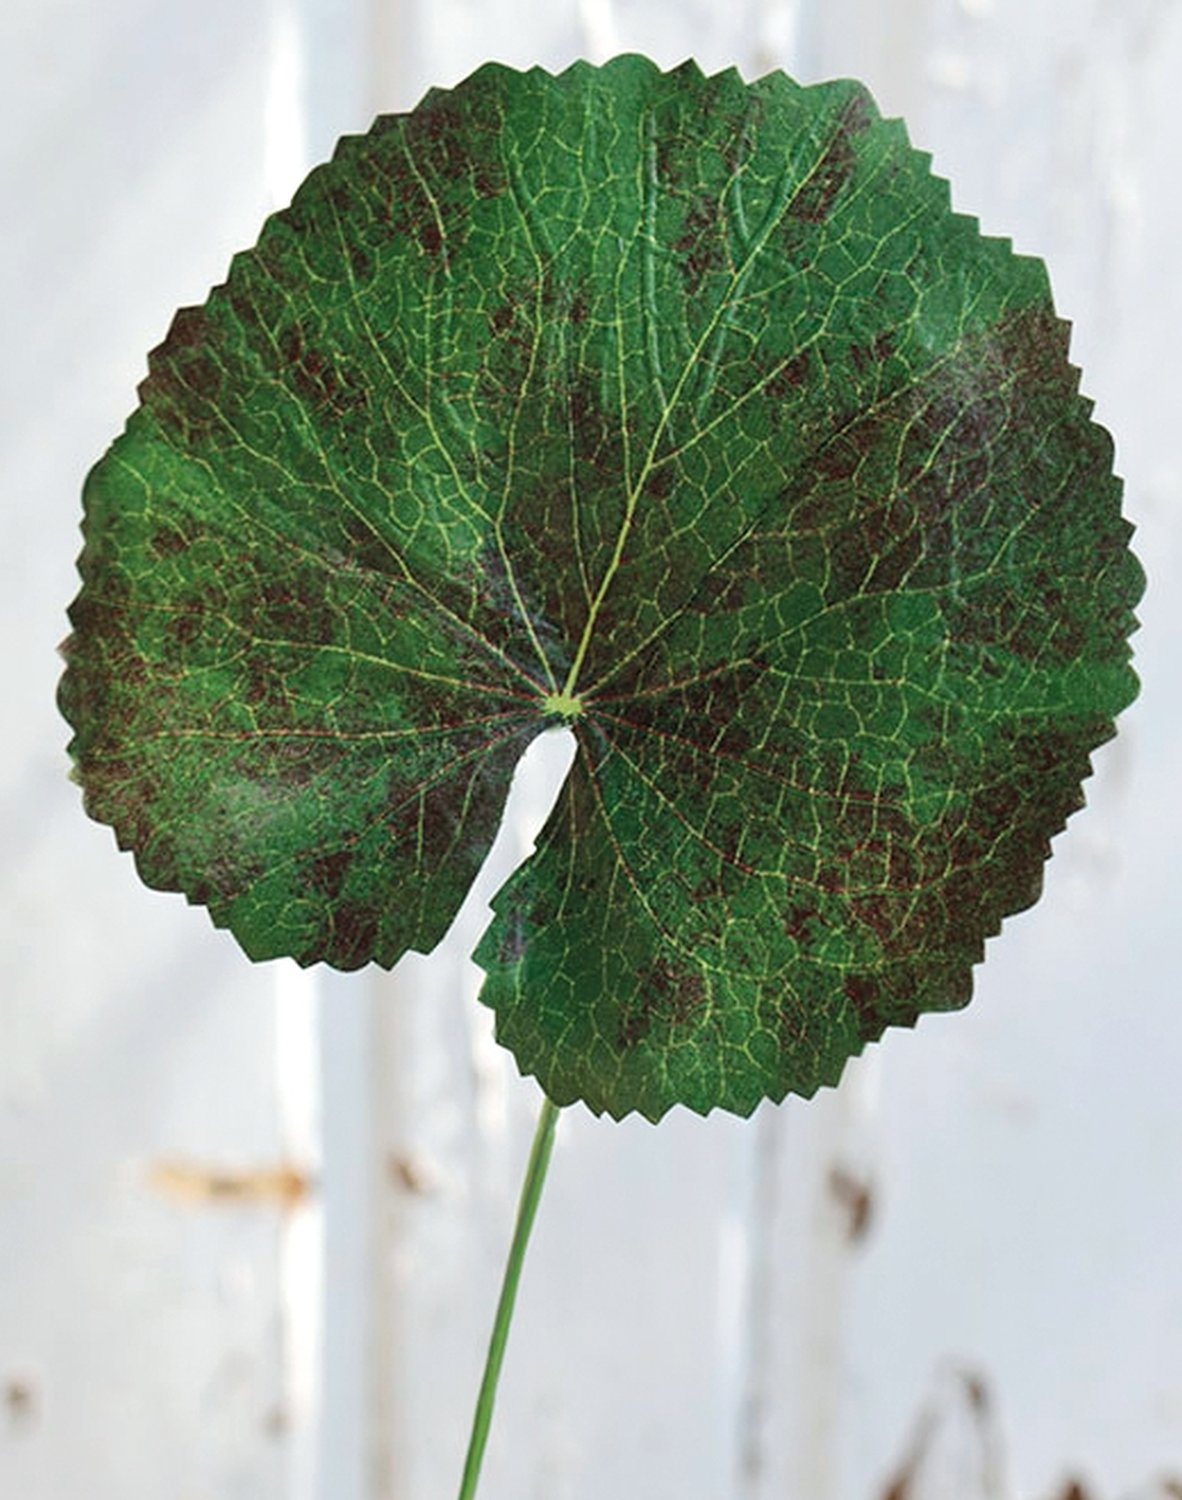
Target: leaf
676, 409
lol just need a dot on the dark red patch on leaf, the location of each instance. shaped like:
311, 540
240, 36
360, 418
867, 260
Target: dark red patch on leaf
701, 248
353, 936
814, 200
327, 873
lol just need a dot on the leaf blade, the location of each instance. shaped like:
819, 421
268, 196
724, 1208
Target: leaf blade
685, 410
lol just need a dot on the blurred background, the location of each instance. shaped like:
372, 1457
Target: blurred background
252, 1221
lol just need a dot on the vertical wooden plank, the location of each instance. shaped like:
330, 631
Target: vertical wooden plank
817, 1204
320, 91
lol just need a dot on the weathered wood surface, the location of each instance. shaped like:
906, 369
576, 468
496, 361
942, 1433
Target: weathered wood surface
954, 1278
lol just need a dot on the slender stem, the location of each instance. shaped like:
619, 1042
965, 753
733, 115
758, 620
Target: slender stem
527, 1208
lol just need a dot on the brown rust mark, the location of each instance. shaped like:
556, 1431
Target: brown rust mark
788, 377
327, 872
353, 937
815, 198
285, 1186
669, 996
277, 1422
854, 1194
502, 317
900, 1487
21, 1402
912, 1478
701, 247
410, 1174
184, 379
317, 377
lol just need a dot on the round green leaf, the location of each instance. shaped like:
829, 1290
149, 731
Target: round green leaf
679, 410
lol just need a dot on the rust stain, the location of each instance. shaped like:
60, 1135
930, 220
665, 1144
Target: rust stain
911, 1479
900, 1487
854, 1194
20, 1400
977, 1392
284, 1186
276, 1422
411, 1175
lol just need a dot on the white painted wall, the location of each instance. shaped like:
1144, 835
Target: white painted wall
697, 1320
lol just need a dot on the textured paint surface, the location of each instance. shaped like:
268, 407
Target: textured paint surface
680, 410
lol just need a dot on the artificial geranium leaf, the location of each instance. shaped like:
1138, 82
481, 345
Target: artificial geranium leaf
680, 410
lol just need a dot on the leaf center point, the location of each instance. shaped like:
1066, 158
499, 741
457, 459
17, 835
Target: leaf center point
563, 706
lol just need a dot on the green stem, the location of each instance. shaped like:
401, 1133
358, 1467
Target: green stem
527, 1208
